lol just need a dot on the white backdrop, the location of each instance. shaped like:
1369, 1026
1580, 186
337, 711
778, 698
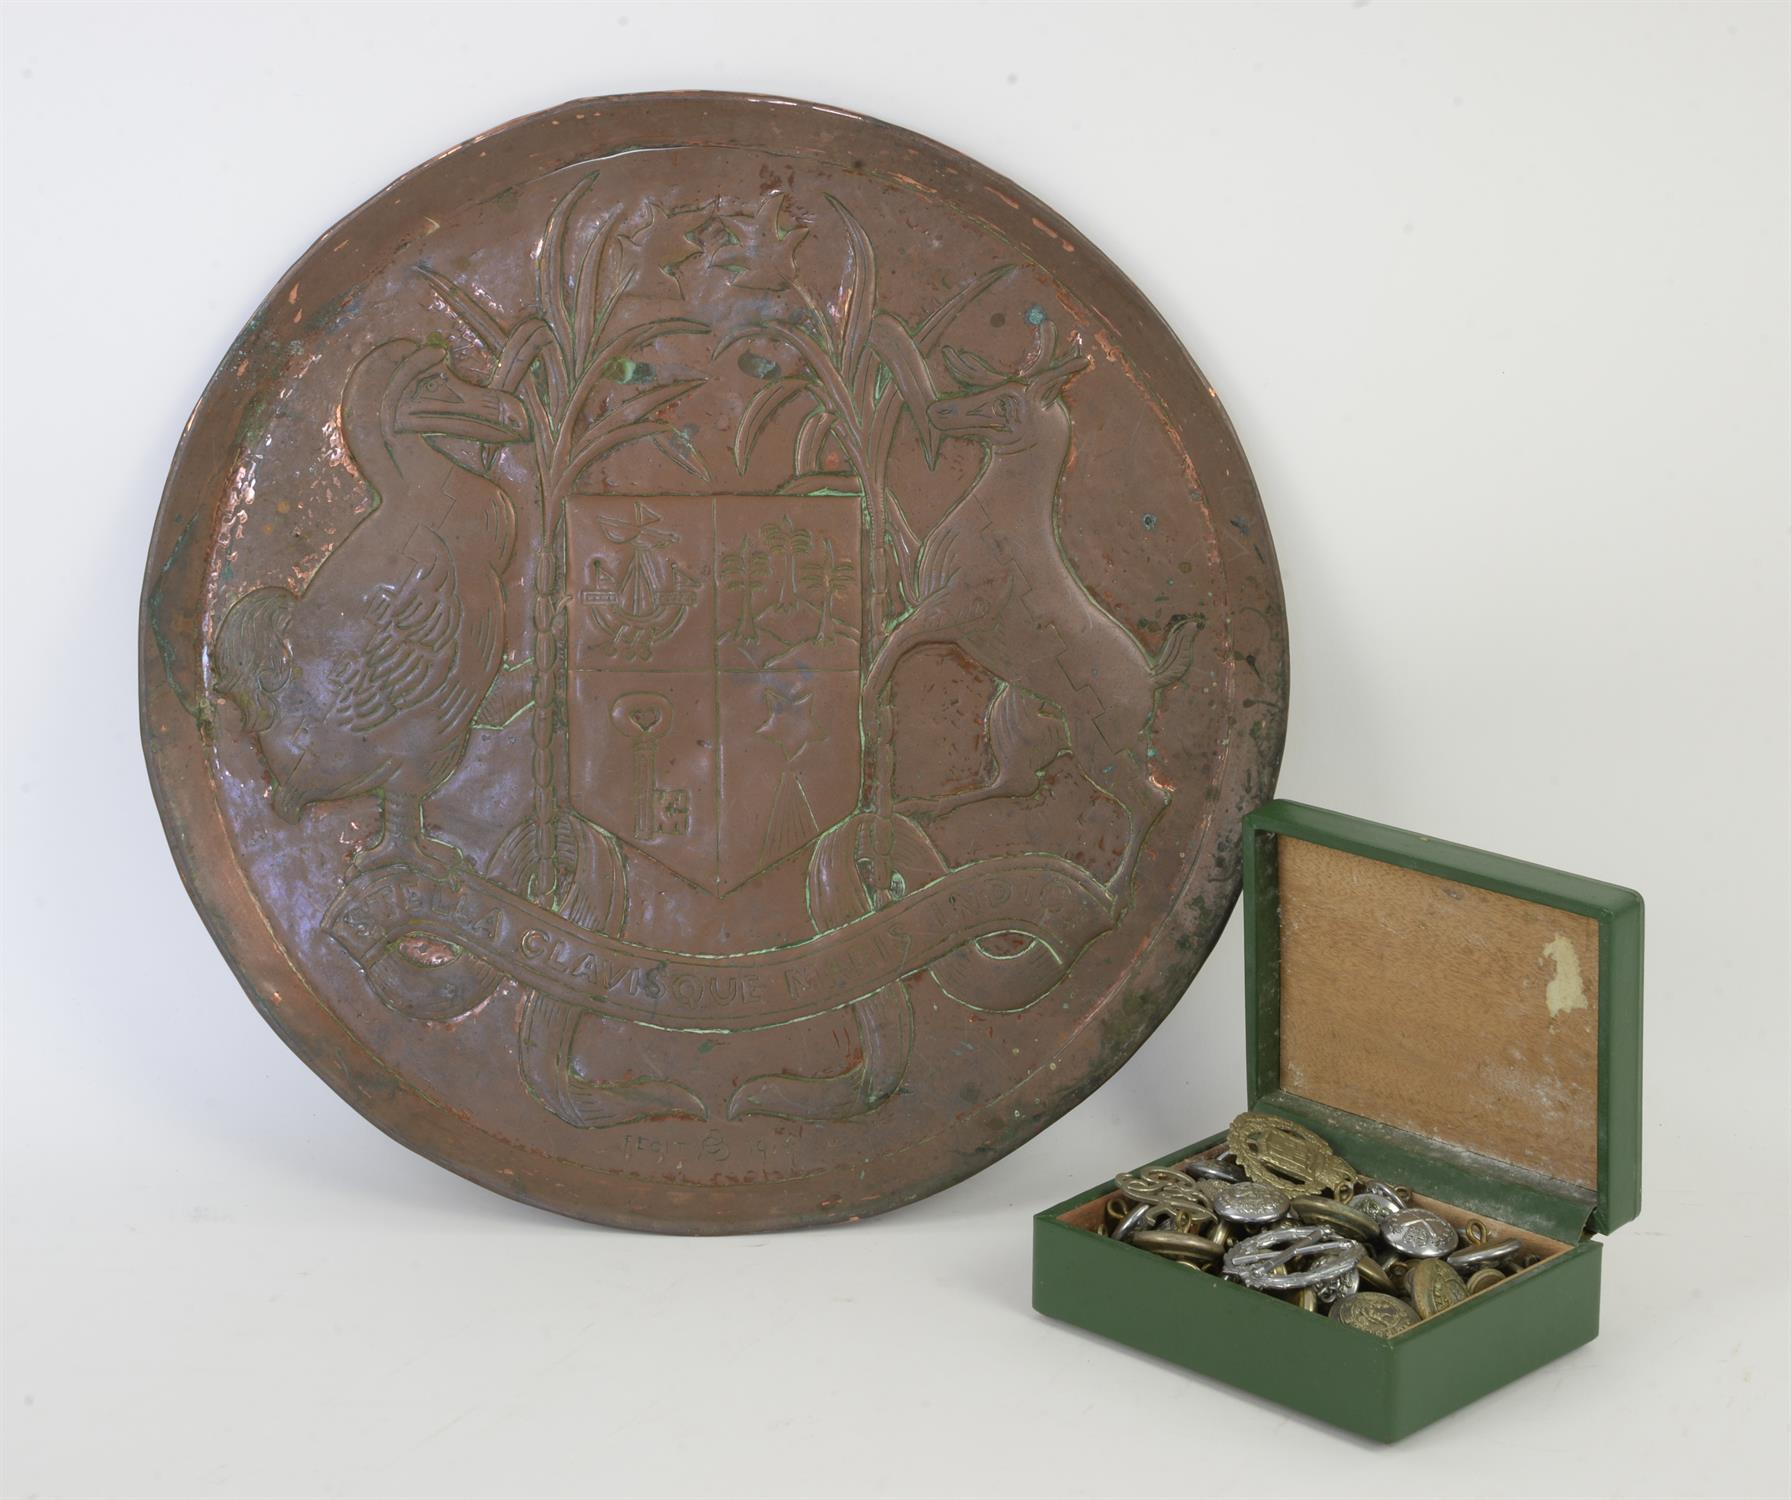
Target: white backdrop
1497, 300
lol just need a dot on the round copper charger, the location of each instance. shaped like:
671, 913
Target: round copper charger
702, 659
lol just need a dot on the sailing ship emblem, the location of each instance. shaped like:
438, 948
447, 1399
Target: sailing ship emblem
644, 603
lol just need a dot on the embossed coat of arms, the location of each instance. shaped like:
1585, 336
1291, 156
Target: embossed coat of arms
723, 664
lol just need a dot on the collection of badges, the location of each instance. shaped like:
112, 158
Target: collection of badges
1277, 1210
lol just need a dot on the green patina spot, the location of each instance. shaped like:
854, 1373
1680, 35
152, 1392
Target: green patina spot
254, 424
334, 312
198, 706
629, 371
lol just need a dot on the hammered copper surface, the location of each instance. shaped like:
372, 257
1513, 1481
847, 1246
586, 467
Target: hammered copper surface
703, 658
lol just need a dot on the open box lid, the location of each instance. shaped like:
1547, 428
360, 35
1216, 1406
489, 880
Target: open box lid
1452, 1019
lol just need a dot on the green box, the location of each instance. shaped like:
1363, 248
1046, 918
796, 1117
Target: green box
1426, 1034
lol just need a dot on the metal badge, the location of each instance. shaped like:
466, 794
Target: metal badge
1483, 1279
1340, 1216
1378, 1200
1288, 1156
1482, 1249
1272, 1247
1213, 1170
1374, 1276
1376, 1313
1193, 1247
1167, 1188
670, 611
1266, 1261
1249, 1203
1492, 1253
1435, 1287
1419, 1233
1143, 1216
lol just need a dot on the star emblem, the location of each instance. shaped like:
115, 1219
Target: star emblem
663, 240
758, 250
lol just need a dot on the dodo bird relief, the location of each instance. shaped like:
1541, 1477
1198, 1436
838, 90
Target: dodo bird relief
710, 686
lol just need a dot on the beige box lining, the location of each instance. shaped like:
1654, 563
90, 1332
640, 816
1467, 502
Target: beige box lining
1456, 1013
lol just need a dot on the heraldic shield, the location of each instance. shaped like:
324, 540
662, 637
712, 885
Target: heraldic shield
719, 668
715, 675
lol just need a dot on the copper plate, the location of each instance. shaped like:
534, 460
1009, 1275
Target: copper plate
702, 659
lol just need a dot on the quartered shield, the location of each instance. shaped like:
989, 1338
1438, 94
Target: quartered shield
714, 654
703, 658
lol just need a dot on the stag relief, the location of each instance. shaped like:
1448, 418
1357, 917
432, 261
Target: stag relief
993, 581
